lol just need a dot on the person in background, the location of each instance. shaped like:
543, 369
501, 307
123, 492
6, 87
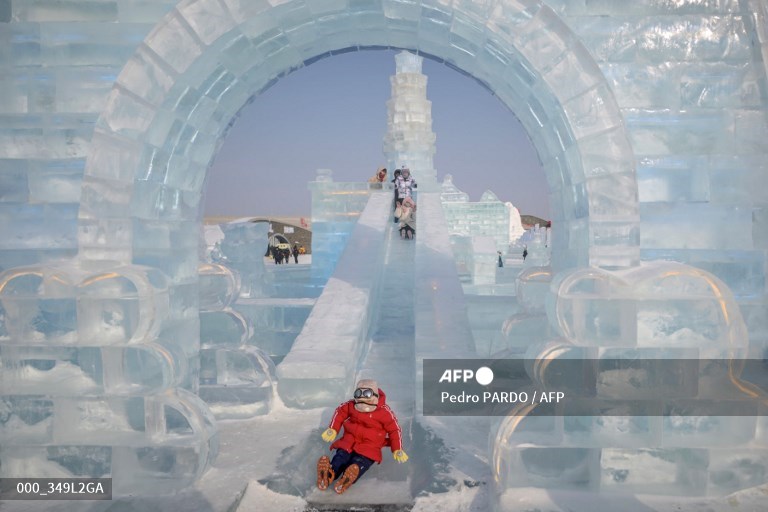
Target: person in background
408, 218
405, 185
501, 262
296, 252
380, 177
525, 252
394, 183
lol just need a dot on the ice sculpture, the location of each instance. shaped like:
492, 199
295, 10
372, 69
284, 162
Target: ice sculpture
516, 229
648, 117
488, 217
92, 386
409, 141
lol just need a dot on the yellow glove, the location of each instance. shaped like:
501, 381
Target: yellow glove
400, 456
329, 435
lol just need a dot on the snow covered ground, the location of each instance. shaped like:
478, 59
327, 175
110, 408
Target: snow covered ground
255, 454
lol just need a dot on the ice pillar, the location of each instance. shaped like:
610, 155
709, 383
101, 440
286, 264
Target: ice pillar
410, 141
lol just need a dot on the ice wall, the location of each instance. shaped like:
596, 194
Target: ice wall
487, 217
690, 82
336, 207
94, 383
657, 311
483, 260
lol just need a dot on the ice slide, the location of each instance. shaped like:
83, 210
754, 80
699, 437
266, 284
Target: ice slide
388, 357
418, 311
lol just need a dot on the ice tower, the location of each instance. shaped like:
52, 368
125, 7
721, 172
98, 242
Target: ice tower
650, 120
409, 140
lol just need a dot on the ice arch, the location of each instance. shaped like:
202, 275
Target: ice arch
179, 92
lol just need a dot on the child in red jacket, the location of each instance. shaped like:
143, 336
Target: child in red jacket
369, 425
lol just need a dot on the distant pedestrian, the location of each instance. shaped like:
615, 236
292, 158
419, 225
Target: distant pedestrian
525, 253
501, 262
296, 252
287, 255
274, 252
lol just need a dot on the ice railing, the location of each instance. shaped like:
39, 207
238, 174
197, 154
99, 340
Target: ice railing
320, 368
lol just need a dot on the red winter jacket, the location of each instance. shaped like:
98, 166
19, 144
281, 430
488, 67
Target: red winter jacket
366, 432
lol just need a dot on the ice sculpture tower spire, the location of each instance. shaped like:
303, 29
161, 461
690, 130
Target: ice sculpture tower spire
410, 140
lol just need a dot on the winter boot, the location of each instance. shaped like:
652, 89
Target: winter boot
347, 478
324, 473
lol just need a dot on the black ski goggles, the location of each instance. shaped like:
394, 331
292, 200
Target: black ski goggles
364, 393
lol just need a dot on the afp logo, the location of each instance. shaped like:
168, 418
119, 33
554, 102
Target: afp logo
482, 375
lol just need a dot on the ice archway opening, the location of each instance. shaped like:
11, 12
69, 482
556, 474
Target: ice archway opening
182, 89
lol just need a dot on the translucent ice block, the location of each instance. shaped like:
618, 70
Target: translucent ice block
94, 304
242, 250
148, 445
655, 305
87, 371
237, 383
219, 286
533, 288
227, 328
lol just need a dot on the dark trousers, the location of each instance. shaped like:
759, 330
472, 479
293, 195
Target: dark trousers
343, 459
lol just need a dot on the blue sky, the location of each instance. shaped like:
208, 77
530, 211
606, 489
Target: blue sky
333, 115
